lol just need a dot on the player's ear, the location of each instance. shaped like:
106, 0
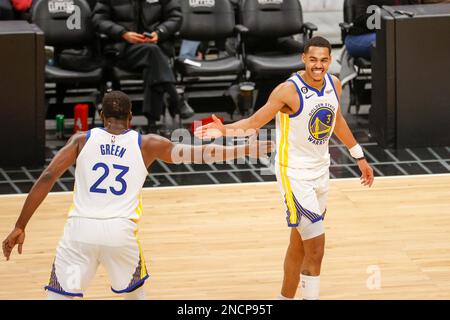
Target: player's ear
303, 57
102, 116
130, 116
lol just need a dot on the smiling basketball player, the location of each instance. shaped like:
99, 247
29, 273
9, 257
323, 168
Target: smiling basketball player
307, 113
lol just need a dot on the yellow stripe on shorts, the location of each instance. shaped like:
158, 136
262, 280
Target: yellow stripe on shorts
283, 162
141, 257
138, 209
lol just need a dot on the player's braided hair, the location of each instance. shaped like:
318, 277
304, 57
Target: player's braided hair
116, 104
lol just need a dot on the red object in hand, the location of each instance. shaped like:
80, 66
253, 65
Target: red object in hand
21, 5
80, 117
202, 122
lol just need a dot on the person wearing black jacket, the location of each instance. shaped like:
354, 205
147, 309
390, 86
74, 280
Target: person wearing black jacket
124, 22
360, 38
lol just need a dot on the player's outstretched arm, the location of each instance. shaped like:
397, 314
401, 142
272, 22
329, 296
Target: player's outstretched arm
344, 134
65, 158
157, 147
248, 126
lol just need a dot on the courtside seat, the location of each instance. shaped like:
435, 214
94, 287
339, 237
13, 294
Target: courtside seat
123, 74
268, 65
57, 34
197, 68
55, 74
54, 20
204, 21
270, 22
363, 63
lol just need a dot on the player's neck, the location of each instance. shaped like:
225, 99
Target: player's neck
311, 82
115, 126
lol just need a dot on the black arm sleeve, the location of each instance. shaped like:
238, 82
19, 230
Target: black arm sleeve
171, 19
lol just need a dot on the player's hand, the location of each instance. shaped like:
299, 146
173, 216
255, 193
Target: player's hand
211, 130
17, 236
366, 173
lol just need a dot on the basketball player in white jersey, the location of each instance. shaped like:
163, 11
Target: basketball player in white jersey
307, 112
111, 167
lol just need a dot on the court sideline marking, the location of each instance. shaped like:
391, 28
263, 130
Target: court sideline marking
244, 183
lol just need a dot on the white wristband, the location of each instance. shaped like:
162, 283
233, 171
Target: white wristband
356, 152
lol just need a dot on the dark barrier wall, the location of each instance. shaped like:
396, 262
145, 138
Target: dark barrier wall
22, 61
411, 77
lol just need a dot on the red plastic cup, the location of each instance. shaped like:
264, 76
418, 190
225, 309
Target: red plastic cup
80, 112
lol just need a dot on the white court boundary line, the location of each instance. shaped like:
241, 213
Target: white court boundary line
244, 183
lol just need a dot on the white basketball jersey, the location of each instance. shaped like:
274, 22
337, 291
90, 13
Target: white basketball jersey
302, 138
109, 176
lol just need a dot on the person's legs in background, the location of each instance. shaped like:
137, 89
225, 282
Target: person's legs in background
177, 102
360, 45
158, 79
189, 49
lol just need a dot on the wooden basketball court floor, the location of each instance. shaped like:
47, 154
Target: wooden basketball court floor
229, 241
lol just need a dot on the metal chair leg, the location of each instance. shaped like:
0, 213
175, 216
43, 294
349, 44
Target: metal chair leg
352, 95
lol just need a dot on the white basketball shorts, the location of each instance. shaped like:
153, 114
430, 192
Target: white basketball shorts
304, 201
86, 243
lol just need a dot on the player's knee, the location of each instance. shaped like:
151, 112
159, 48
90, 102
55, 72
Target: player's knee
317, 253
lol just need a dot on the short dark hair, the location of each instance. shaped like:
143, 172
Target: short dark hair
116, 104
317, 42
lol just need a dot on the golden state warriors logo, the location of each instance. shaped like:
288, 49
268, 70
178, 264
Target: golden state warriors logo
320, 125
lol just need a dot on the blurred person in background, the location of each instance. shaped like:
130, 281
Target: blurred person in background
360, 38
141, 34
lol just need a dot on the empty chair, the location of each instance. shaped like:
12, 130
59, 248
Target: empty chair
271, 53
203, 21
213, 24
66, 28
270, 49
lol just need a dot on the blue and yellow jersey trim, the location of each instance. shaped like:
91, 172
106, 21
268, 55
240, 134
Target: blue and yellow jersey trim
143, 267
283, 154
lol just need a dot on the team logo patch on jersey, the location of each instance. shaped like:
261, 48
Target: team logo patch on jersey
320, 125
304, 90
